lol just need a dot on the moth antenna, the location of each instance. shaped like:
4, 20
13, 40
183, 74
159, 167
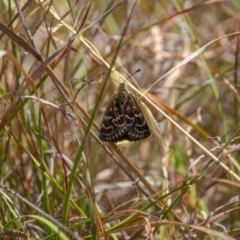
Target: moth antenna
131, 76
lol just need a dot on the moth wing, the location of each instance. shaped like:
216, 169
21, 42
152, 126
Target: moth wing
113, 125
137, 127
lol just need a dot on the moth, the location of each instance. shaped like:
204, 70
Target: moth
123, 119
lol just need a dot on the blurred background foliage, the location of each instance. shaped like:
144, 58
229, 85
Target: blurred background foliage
58, 180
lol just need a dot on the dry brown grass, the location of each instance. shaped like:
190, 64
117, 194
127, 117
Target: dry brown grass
61, 61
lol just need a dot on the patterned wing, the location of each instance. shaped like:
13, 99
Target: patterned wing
123, 119
113, 125
137, 127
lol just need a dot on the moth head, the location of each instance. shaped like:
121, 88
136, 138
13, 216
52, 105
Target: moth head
122, 93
